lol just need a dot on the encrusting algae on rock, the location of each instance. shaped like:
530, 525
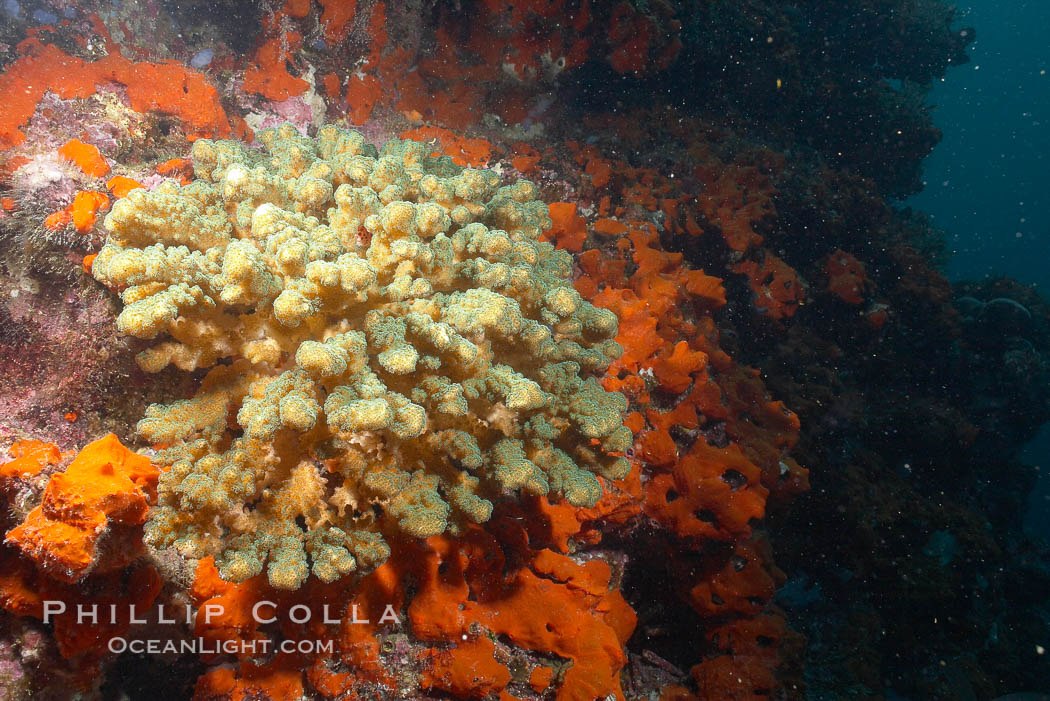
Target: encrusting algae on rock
391, 349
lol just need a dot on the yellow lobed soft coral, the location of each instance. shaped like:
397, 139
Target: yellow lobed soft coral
391, 349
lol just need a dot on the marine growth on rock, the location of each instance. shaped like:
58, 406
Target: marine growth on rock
392, 350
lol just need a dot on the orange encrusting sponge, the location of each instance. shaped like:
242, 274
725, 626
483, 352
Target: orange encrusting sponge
106, 485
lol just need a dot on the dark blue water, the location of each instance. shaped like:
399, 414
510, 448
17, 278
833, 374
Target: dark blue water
987, 183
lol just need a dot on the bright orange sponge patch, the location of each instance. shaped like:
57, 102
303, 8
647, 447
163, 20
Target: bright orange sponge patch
86, 206
30, 457
121, 185
87, 156
105, 485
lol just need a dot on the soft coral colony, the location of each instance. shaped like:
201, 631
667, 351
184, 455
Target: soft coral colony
428, 371
419, 387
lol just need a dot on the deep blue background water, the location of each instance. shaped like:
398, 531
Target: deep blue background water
987, 183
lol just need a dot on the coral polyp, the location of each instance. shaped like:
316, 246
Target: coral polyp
391, 347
